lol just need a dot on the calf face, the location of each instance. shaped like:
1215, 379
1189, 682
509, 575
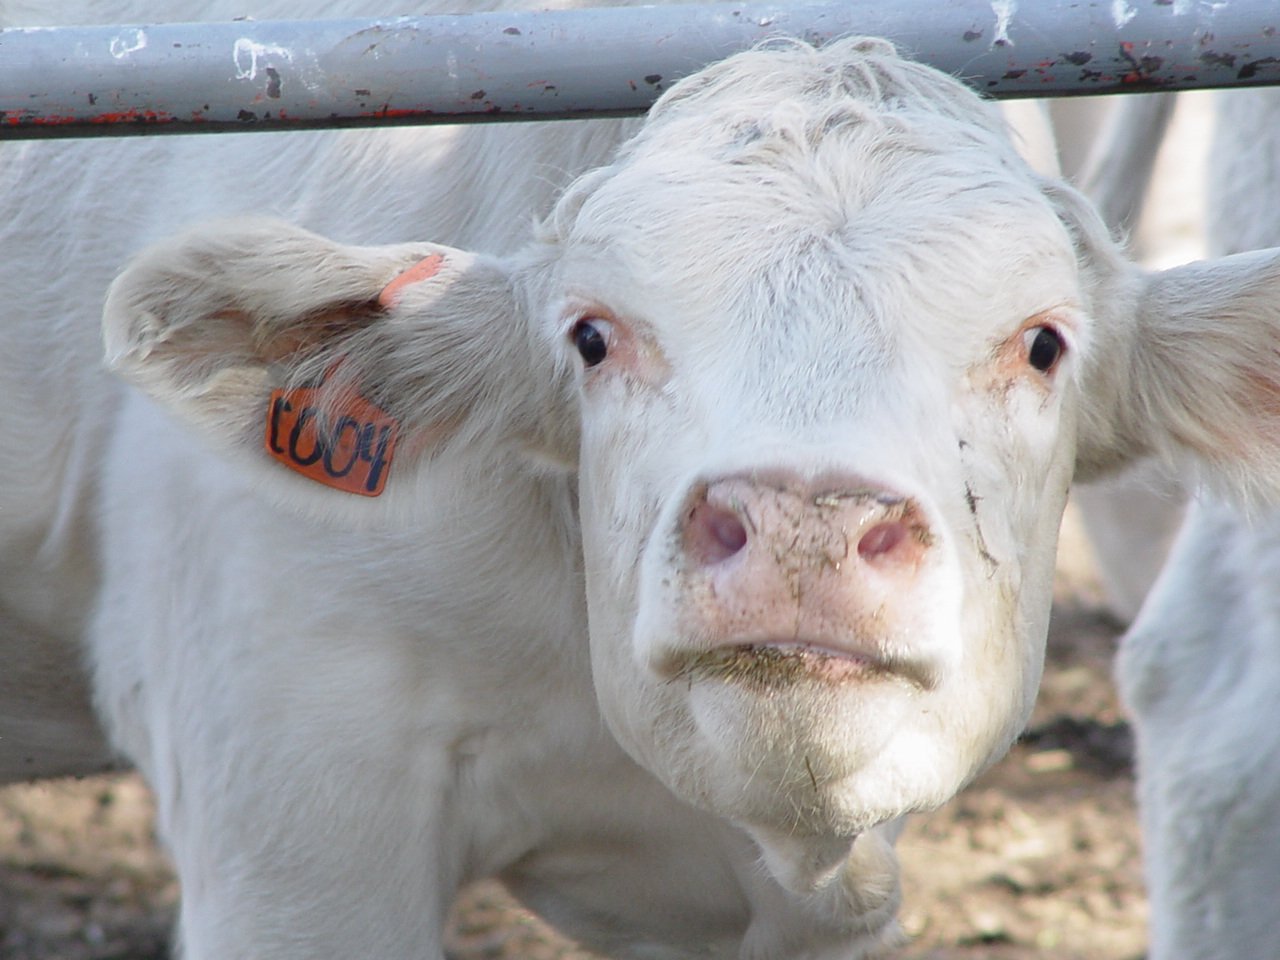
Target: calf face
824, 361
823, 357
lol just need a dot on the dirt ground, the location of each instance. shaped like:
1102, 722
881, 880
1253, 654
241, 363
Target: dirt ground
1039, 858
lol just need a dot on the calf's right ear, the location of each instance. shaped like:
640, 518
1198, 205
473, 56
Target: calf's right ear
1191, 364
334, 366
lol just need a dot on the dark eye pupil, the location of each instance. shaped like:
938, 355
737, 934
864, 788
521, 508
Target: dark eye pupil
1046, 348
590, 343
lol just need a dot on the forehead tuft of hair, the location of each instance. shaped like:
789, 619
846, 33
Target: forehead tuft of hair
845, 75
788, 108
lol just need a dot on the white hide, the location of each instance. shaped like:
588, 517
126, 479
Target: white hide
1200, 669
555, 649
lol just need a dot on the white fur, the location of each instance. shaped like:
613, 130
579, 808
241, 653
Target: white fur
1200, 669
808, 264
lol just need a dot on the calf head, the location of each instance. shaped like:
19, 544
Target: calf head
824, 356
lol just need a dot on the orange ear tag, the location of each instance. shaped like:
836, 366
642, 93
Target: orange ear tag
349, 449
424, 269
353, 452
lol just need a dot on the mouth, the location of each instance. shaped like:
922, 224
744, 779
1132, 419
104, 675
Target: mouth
771, 665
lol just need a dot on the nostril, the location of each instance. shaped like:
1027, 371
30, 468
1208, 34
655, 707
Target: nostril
882, 539
728, 530
714, 534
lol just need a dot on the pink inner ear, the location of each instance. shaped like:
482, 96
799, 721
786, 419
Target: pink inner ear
424, 269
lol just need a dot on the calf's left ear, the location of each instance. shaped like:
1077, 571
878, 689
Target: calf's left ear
340, 367
1188, 360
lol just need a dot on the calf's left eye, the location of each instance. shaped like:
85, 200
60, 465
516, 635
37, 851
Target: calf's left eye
1044, 348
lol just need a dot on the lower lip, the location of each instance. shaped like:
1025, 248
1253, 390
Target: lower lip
771, 665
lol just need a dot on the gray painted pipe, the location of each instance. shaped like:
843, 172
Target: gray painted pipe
278, 75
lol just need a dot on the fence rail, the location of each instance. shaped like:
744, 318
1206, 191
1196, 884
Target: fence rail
283, 75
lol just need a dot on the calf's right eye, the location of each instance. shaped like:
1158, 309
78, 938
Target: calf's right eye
591, 337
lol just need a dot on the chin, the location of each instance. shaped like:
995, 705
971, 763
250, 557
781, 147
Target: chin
806, 740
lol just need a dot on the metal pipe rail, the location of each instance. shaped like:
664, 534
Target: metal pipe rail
289, 75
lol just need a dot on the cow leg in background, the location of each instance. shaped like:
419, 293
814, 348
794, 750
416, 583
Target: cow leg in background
1131, 521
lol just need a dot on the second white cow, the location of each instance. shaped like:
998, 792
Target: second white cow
1200, 669
657, 558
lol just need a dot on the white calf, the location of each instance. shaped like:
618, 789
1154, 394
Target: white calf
657, 558
1200, 670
